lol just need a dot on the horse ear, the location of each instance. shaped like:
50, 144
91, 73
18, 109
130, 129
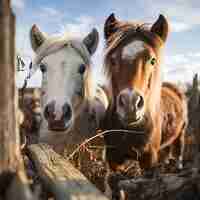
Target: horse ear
37, 37
161, 27
91, 41
110, 26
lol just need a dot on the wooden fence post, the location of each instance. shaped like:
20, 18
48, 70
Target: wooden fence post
13, 182
9, 147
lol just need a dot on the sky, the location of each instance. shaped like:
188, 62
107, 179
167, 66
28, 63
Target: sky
181, 55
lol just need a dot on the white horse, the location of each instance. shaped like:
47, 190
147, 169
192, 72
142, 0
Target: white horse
68, 102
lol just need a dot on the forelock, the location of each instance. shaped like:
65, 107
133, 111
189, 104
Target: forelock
54, 43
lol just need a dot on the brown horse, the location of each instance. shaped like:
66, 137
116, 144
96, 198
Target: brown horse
30, 108
149, 115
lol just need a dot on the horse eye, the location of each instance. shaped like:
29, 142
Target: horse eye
82, 69
153, 61
43, 68
30, 65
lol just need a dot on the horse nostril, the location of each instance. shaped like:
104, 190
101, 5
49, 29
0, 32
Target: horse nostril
46, 112
122, 100
140, 102
49, 110
67, 111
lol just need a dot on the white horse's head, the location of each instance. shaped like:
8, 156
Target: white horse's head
65, 66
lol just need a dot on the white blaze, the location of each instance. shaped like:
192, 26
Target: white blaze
131, 50
62, 80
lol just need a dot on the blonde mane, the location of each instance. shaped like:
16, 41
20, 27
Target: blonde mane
55, 43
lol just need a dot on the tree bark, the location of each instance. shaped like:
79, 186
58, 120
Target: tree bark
9, 138
13, 182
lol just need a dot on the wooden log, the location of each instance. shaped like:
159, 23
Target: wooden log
165, 186
60, 177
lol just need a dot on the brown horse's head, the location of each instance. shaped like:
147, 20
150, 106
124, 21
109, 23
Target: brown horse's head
132, 62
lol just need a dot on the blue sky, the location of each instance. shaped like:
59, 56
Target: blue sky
181, 56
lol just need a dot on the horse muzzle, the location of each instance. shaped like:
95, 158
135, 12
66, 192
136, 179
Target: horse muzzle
130, 106
58, 121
